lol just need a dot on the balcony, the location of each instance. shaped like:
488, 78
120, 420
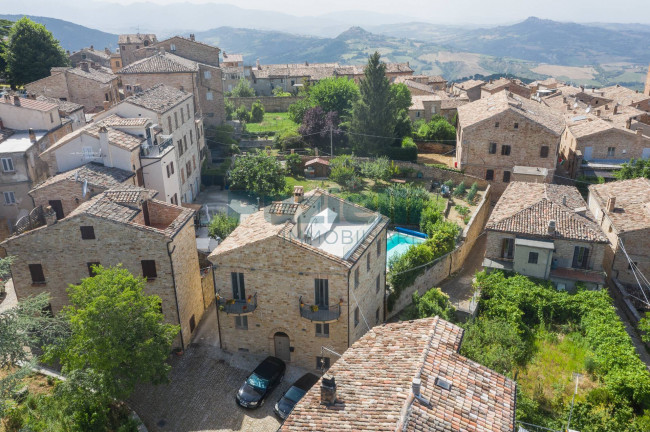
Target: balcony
320, 313
236, 306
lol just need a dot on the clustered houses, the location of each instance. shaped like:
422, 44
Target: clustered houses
87, 84
512, 85
470, 89
172, 111
622, 209
188, 48
125, 226
407, 376
299, 275
129, 43
546, 231
505, 134
100, 57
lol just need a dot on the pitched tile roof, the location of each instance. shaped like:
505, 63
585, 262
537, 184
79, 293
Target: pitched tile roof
159, 98
485, 108
32, 104
65, 106
136, 38
469, 84
318, 71
418, 86
99, 53
100, 74
632, 205
161, 63
230, 58
283, 208
317, 161
622, 95
374, 378
527, 208
94, 173
501, 82
417, 102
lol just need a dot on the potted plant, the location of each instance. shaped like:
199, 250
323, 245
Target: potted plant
250, 298
178, 351
314, 308
231, 301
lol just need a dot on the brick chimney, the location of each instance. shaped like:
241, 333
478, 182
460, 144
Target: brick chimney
615, 109
16, 100
83, 66
107, 105
192, 37
611, 204
32, 136
328, 390
50, 215
298, 193
551, 227
103, 143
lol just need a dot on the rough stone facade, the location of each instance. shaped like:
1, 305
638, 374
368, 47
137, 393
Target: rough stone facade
271, 103
184, 47
101, 57
130, 43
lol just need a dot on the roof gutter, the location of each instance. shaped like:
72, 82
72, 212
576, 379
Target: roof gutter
178, 311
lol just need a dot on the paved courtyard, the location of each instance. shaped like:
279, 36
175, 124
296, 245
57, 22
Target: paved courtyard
202, 388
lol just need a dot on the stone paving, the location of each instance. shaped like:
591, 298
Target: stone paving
9, 300
201, 393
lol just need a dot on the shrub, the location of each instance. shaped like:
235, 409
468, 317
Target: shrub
472, 193
460, 190
378, 169
222, 225
433, 302
257, 112
407, 152
462, 210
230, 108
430, 216
243, 89
343, 169
287, 140
293, 163
242, 114
354, 183
450, 184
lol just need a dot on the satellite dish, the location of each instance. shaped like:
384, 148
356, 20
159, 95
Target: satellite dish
84, 189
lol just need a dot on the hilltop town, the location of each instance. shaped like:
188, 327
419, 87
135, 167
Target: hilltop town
196, 240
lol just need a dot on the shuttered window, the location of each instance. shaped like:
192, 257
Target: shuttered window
36, 271
149, 269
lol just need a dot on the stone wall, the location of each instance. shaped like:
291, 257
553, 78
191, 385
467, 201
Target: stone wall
271, 103
442, 175
450, 263
436, 148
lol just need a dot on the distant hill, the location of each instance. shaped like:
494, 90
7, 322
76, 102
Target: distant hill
73, 37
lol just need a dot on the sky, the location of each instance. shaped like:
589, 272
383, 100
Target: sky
457, 11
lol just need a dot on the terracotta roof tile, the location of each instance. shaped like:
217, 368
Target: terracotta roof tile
136, 38
159, 98
101, 74
161, 63
33, 104
65, 106
632, 205
283, 208
95, 174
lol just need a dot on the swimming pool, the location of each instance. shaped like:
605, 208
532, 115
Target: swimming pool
399, 243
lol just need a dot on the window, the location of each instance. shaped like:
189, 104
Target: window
185, 142
322, 362
610, 151
87, 152
207, 74
10, 198
123, 47
377, 316
182, 176
174, 199
51, 118
172, 47
137, 47
368, 262
117, 63
492, 148
171, 164
168, 171
8, 165
36, 270
182, 115
169, 123
505, 150
238, 286
83, 56
209, 96
87, 232
629, 266
356, 316
356, 277
516, 125
192, 323
179, 144
189, 115
106, 96
149, 269
379, 243
194, 162
580, 257
191, 138
323, 330
506, 176
91, 271
321, 293
533, 257
241, 322
489, 175
378, 283
507, 248
417, 114
176, 120
543, 152
496, 124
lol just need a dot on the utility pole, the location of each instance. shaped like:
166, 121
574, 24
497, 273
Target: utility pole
331, 143
577, 375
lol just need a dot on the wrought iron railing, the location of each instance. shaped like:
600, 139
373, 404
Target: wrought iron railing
34, 219
237, 306
314, 312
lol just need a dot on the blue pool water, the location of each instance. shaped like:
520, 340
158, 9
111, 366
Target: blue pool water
399, 243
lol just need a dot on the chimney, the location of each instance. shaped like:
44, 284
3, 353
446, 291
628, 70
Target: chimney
50, 216
611, 204
92, 48
606, 107
551, 227
639, 132
298, 193
582, 88
95, 65
597, 113
316, 151
306, 63
16, 100
192, 37
257, 63
128, 39
2, 126
162, 50
615, 109
328, 390
416, 385
32, 136
67, 52
628, 123
107, 51
83, 66
564, 200
103, 140
107, 105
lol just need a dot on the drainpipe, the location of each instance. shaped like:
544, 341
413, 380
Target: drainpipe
349, 271
178, 310
216, 304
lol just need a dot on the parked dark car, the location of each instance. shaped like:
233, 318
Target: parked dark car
259, 384
293, 395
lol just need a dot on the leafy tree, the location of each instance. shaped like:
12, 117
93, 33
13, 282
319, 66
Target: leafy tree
118, 334
316, 126
298, 109
438, 129
433, 303
278, 92
378, 169
259, 173
30, 52
335, 94
634, 169
257, 112
294, 161
242, 114
430, 216
222, 225
5, 28
401, 96
230, 108
243, 89
343, 169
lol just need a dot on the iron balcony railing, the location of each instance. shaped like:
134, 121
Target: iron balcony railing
237, 306
320, 313
34, 219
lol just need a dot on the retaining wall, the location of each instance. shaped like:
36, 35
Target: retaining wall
271, 103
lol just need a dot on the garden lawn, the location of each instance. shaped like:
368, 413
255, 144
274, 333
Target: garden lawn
273, 122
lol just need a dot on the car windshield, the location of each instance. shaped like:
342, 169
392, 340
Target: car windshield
257, 382
294, 394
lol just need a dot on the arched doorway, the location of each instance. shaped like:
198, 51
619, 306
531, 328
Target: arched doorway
282, 346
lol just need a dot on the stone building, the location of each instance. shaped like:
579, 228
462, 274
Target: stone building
232, 60
68, 110
431, 83
622, 209
116, 62
470, 89
425, 107
129, 43
124, 225
504, 131
188, 48
407, 376
88, 84
202, 80
546, 231
173, 111
647, 84
100, 57
616, 94
514, 86
301, 274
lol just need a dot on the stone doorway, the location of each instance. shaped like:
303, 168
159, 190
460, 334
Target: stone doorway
282, 346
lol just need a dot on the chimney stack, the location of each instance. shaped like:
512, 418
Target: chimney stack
107, 51
597, 113
611, 204
2, 126
639, 132
67, 52
551, 227
192, 37
628, 123
298, 193
107, 105
615, 109
564, 200
257, 63
32, 136
16, 100
162, 49
50, 216
92, 48
416, 386
83, 66
328, 390
582, 88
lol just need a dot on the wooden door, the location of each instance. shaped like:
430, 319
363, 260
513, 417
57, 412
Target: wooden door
282, 347
57, 206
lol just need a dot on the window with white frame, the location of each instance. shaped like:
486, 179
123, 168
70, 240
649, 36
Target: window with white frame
207, 74
87, 152
209, 96
172, 47
10, 198
8, 165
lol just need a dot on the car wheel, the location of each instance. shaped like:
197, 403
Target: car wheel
262, 402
